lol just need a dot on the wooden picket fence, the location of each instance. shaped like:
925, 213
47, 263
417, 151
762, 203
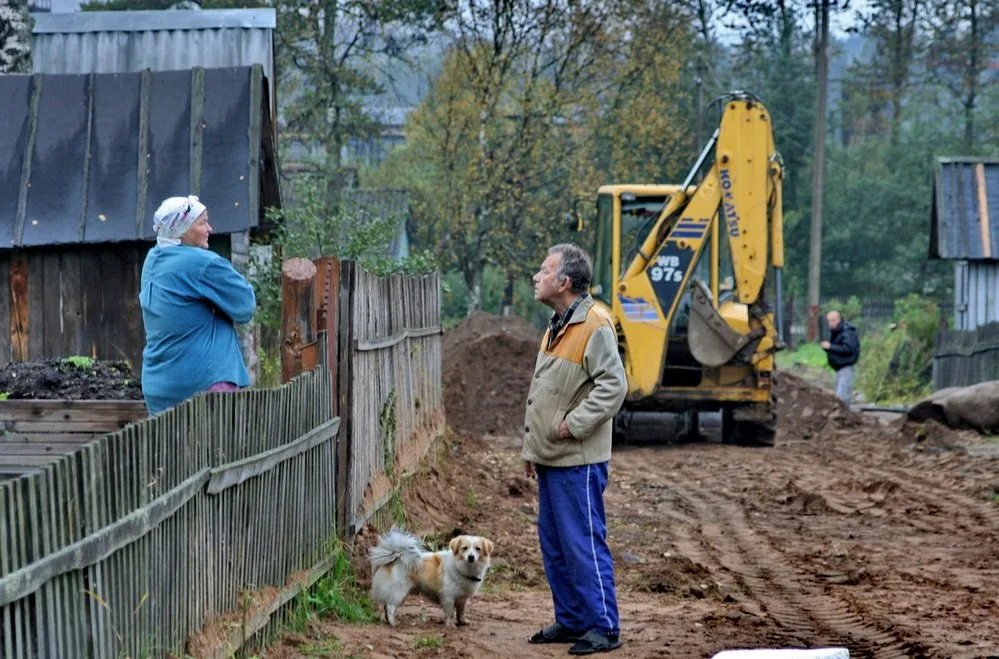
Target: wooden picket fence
966, 357
190, 532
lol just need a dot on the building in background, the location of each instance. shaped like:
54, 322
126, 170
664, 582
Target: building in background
965, 230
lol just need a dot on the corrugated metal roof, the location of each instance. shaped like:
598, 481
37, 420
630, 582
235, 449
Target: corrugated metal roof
90, 157
169, 40
149, 21
965, 216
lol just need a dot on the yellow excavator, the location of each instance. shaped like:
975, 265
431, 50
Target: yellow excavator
688, 272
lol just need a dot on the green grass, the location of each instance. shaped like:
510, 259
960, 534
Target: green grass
81, 362
808, 354
429, 642
329, 648
335, 595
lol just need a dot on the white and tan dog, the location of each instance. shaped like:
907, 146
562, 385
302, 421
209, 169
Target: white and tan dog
400, 563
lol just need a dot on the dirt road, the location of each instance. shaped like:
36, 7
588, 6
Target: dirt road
841, 535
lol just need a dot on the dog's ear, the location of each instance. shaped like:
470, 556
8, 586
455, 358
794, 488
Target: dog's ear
455, 545
487, 546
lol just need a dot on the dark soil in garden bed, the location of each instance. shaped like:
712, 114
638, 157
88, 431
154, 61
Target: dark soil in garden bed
70, 379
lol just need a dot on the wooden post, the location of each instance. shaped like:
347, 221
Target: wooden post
19, 323
298, 315
328, 315
345, 362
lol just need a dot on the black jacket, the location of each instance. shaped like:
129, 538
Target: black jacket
844, 349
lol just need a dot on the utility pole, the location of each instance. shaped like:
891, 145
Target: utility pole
818, 181
699, 122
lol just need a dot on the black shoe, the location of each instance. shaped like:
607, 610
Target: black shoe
556, 633
593, 641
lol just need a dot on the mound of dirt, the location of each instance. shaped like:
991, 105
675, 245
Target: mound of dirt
77, 379
488, 362
805, 410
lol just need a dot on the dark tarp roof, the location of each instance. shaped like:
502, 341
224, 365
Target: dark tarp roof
87, 158
965, 215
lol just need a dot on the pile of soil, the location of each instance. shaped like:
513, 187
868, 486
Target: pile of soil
805, 410
488, 362
63, 379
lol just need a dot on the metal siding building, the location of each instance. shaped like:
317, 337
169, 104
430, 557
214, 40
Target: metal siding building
965, 229
171, 40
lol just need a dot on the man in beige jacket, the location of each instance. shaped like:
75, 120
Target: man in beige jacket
578, 387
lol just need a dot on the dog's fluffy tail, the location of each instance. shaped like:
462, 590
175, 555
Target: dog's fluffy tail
397, 546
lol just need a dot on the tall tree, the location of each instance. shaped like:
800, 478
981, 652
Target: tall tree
15, 36
893, 26
962, 34
325, 50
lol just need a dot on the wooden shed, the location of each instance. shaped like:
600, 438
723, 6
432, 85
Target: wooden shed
965, 203
86, 159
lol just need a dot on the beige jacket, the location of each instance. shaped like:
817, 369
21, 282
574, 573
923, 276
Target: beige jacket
580, 380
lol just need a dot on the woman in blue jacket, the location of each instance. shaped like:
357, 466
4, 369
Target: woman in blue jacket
190, 297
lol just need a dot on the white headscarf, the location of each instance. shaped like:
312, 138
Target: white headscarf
174, 217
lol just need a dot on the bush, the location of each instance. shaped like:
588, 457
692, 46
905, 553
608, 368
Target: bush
308, 230
849, 310
454, 297
896, 365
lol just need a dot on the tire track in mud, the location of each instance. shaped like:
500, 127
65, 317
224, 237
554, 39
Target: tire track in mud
765, 573
971, 515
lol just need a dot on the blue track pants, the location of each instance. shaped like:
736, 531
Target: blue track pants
572, 529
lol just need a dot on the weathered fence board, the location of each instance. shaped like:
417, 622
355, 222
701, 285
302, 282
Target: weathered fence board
395, 345
189, 531
964, 358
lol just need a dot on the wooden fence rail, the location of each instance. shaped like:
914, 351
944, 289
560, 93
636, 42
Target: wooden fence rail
188, 532
966, 357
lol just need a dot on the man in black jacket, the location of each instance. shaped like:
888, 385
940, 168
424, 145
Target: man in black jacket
842, 351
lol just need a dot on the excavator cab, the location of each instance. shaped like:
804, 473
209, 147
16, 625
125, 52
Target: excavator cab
685, 271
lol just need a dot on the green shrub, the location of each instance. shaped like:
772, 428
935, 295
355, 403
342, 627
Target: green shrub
850, 309
896, 365
309, 230
454, 297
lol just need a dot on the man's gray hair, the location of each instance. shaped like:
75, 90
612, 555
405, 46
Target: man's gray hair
576, 265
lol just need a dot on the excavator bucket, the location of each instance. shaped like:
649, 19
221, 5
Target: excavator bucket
712, 341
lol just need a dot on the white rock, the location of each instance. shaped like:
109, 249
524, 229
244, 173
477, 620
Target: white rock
814, 653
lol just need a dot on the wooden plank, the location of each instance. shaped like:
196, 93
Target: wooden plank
51, 304
28, 426
344, 361
113, 415
29, 405
91, 293
51, 449
75, 438
395, 339
26, 461
71, 302
19, 318
135, 337
36, 304
111, 340
234, 473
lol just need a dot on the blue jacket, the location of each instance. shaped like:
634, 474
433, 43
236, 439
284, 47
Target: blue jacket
190, 299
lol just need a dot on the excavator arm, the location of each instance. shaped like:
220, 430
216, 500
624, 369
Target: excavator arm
738, 200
